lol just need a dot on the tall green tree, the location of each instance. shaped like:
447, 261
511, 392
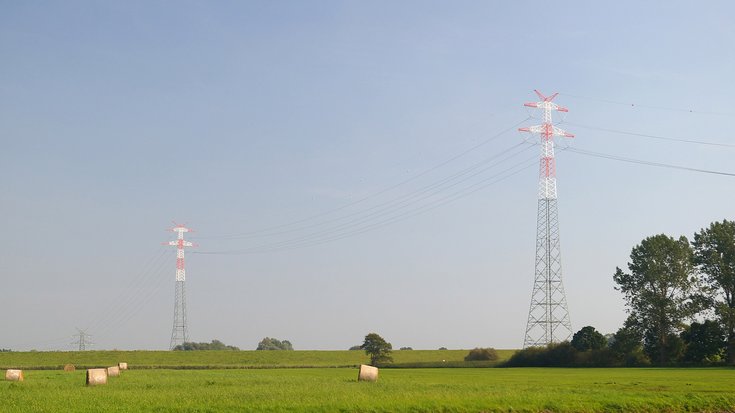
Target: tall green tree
658, 291
714, 255
377, 348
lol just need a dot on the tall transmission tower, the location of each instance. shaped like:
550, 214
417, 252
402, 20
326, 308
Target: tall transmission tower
548, 316
180, 332
82, 340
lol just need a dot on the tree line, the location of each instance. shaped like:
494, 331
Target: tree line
680, 300
267, 343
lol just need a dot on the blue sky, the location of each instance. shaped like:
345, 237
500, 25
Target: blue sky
234, 117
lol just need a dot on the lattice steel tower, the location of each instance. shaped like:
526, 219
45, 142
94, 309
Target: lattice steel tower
548, 316
180, 333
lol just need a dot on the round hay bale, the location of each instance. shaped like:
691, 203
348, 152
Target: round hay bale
367, 373
14, 375
69, 367
123, 366
96, 376
113, 371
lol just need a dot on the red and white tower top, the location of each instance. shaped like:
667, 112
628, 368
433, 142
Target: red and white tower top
180, 244
547, 130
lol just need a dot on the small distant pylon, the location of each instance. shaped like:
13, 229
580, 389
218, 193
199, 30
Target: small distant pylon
82, 340
180, 332
548, 316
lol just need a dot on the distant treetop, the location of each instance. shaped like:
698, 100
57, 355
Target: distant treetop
269, 343
214, 345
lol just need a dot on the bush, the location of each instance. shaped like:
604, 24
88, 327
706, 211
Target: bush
565, 355
214, 345
705, 342
637, 358
588, 339
406, 348
482, 354
274, 344
663, 351
355, 348
553, 355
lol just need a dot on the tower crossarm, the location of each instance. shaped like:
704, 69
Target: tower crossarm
546, 103
547, 130
182, 242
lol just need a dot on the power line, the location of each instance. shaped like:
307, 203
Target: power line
659, 137
644, 162
409, 198
418, 211
137, 285
389, 207
136, 298
364, 225
268, 231
637, 105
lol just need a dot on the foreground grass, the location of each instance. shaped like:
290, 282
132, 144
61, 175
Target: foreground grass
398, 390
228, 359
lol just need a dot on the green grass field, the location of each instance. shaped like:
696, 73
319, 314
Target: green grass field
274, 381
398, 390
228, 359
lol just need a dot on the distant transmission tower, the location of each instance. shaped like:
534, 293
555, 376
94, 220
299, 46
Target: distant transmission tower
548, 317
180, 333
82, 340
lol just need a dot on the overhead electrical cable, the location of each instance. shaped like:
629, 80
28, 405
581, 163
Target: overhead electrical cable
400, 217
136, 285
367, 224
426, 208
123, 302
383, 212
644, 162
472, 170
659, 137
373, 195
401, 202
134, 307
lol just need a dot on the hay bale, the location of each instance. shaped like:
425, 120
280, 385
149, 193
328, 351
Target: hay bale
123, 366
113, 371
69, 367
14, 375
96, 376
367, 373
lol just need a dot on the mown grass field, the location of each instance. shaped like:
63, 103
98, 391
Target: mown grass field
229, 359
398, 390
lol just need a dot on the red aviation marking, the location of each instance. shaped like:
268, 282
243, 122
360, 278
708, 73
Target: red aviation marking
549, 166
179, 263
548, 131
